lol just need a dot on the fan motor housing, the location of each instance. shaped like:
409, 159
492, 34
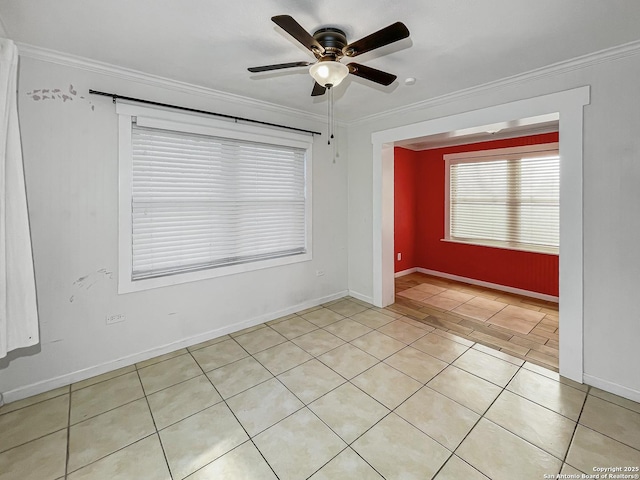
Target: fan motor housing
332, 39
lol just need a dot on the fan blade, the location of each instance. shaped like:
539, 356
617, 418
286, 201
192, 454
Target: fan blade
293, 28
387, 35
373, 74
278, 66
318, 90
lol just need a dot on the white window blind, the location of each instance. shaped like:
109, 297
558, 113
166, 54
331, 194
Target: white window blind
506, 200
200, 202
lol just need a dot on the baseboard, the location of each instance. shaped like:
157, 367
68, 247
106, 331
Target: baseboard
77, 376
406, 272
611, 387
495, 286
360, 296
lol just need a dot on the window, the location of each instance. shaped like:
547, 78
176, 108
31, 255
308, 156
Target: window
201, 198
506, 198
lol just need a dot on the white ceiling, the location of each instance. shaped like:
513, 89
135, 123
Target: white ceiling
454, 44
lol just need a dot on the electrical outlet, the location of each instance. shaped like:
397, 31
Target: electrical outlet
117, 318
399, 256
319, 273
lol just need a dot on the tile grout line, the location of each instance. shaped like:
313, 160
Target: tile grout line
608, 436
101, 381
33, 404
503, 389
191, 414
393, 410
575, 429
112, 453
390, 410
349, 444
306, 405
462, 460
364, 459
263, 457
347, 447
613, 403
532, 401
222, 400
483, 416
110, 410
34, 439
155, 426
425, 384
170, 386
250, 438
154, 363
453, 399
544, 406
107, 411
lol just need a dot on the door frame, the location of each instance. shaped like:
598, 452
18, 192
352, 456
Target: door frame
569, 104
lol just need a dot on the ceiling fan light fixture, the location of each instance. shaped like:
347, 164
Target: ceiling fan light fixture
328, 73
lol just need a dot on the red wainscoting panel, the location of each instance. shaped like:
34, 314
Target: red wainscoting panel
535, 272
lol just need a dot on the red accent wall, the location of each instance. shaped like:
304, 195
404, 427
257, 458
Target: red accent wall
405, 201
423, 174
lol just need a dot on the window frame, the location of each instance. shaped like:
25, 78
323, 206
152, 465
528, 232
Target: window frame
510, 153
203, 125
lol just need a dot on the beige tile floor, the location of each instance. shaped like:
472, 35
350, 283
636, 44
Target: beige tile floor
342, 391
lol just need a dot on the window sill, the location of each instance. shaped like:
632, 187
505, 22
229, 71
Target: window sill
126, 285
505, 246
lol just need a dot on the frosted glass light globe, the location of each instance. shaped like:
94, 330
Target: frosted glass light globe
328, 73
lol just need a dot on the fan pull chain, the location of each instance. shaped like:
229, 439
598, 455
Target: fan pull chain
333, 114
334, 139
331, 123
329, 114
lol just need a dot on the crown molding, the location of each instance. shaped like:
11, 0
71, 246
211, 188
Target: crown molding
94, 66
577, 63
65, 59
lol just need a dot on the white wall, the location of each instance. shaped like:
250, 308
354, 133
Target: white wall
611, 197
71, 173
70, 155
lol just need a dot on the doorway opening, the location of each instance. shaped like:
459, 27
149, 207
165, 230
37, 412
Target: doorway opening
476, 235
568, 106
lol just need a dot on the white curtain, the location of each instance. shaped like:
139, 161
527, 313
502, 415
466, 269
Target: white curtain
18, 309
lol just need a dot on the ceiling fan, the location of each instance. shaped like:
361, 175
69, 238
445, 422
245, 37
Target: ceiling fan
329, 46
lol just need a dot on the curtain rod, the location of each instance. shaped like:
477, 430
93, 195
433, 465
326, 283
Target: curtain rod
115, 96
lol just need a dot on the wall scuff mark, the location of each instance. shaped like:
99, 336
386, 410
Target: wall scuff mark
87, 281
57, 94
